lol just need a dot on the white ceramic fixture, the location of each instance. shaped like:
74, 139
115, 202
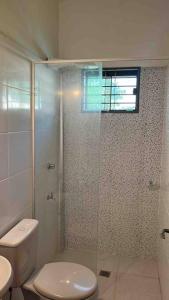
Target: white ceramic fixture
55, 281
63, 280
5, 275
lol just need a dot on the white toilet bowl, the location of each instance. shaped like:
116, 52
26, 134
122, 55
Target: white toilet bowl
61, 280
55, 281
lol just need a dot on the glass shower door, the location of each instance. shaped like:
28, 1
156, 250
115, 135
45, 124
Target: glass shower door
67, 135
47, 145
82, 106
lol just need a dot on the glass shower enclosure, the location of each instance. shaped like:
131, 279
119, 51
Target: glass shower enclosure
66, 160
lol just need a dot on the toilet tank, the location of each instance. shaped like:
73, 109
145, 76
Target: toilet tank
19, 246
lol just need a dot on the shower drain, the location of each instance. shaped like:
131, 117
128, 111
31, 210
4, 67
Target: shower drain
105, 273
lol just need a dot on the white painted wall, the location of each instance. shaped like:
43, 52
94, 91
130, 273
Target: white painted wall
88, 29
113, 28
32, 23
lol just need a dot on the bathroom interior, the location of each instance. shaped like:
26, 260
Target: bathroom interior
84, 150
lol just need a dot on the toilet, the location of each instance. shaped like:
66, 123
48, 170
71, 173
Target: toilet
56, 280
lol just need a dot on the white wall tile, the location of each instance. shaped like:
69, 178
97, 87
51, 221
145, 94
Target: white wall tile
15, 199
19, 152
15, 71
3, 109
3, 156
15, 148
20, 191
5, 212
19, 113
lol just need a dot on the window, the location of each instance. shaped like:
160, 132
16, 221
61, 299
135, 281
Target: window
120, 91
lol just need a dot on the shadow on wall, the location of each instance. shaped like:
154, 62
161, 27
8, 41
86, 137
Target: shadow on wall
32, 24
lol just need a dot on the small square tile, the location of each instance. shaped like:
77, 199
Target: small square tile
139, 266
130, 287
106, 287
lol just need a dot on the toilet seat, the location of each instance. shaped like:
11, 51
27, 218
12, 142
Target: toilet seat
63, 280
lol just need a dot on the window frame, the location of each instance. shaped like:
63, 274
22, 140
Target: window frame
127, 71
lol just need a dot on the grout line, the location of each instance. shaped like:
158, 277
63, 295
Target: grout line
19, 173
4, 179
159, 281
22, 131
161, 294
139, 275
15, 87
16, 174
116, 280
14, 132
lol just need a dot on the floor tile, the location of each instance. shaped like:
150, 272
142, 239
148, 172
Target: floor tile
108, 263
139, 266
131, 287
107, 284
130, 279
135, 297
109, 294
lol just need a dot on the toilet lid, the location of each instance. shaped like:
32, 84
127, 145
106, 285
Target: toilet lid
63, 280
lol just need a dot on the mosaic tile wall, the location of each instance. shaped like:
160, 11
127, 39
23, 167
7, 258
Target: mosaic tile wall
120, 199
81, 166
130, 158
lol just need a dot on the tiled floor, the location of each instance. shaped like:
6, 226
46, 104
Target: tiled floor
130, 279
